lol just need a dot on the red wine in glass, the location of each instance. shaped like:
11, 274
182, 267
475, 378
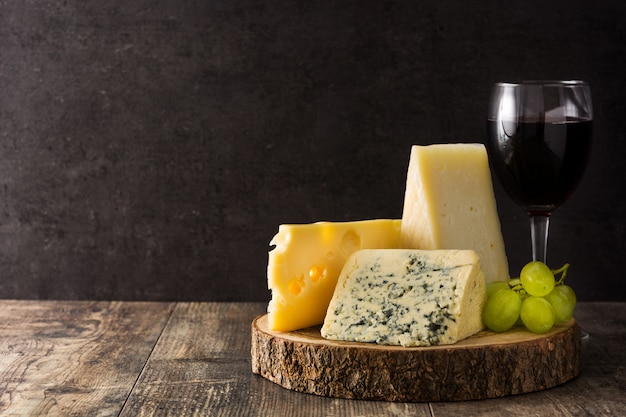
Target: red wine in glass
539, 139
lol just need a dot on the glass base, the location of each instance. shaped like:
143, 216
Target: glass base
584, 335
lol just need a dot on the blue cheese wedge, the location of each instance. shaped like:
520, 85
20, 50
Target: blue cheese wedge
407, 297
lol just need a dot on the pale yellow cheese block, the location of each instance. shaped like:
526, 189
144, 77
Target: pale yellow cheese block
307, 259
449, 203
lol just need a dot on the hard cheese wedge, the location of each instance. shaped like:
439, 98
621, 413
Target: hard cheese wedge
407, 297
449, 204
304, 266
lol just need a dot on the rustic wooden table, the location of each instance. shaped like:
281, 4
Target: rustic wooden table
87, 358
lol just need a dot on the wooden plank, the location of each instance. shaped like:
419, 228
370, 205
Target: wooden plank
82, 358
201, 366
74, 358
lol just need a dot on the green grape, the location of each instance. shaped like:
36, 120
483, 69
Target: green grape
537, 278
495, 286
560, 301
571, 295
537, 314
502, 310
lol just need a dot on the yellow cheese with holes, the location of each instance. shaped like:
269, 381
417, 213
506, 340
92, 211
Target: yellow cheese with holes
449, 203
306, 261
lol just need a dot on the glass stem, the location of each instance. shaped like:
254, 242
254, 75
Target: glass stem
539, 224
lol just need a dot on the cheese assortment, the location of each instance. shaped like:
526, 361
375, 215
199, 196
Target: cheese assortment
450, 204
306, 261
417, 281
407, 298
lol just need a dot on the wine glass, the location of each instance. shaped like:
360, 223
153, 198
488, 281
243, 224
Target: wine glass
539, 138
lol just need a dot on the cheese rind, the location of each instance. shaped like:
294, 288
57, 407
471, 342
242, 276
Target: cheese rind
449, 203
407, 298
307, 259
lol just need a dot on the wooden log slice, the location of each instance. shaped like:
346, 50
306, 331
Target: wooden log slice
486, 365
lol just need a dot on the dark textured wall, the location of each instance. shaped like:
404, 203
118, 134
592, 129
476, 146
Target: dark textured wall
150, 149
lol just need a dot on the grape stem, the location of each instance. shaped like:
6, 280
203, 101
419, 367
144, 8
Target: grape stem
516, 285
563, 271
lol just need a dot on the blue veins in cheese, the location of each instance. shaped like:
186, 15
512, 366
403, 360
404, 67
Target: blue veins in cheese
407, 297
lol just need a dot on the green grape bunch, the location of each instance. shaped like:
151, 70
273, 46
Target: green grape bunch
536, 300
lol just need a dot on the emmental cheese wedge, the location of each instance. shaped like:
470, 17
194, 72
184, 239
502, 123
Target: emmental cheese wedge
407, 298
304, 266
449, 203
